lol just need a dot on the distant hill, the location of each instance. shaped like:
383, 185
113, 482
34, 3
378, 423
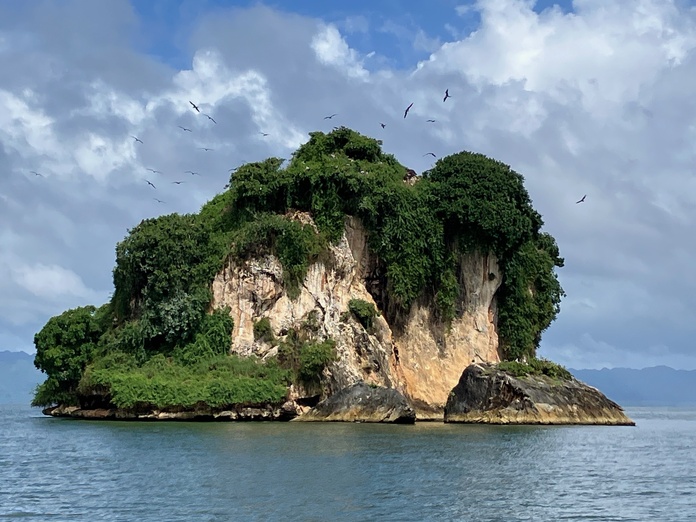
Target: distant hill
18, 377
655, 386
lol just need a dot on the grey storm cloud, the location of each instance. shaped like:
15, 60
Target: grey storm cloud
598, 103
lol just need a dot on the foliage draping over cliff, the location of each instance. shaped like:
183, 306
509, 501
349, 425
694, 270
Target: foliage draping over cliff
419, 231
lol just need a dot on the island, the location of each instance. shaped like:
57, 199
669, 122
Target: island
339, 286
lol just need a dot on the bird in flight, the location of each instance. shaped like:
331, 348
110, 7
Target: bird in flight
205, 148
383, 124
37, 174
447, 95
136, 139
159, 200
194, 106
177, 182
192, 173
430, 121
150, 183
581, 199
155, 171
408, 109
184, 128
430, 154
210, 118
329, 117
263, 133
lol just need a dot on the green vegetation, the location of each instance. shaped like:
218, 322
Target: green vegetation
166, 383
295, 244
304, 358
263, 330
535, 367
64, 347
158, 332
363, 311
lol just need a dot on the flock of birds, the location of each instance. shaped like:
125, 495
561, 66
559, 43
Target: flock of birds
264, 134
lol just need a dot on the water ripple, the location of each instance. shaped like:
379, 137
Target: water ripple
66, 470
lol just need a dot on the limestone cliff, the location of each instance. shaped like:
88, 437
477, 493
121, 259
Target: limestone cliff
421, 358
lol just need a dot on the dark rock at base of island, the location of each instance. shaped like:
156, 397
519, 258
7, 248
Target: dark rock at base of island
361, 402
285, 412
487, 395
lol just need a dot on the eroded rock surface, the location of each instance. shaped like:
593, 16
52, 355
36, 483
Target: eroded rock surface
286, 412
421, 359
487, 395
363, 403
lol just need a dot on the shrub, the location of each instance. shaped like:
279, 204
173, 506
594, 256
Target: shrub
296, 246
535, 367
221, 381
311, 322
314, 357
305, 359
363, 311
263, 330
213, 340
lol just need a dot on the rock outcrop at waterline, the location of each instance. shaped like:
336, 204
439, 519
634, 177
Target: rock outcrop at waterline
363, 403
487, 395
285, 412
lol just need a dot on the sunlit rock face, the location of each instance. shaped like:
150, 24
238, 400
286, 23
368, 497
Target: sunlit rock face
421, 358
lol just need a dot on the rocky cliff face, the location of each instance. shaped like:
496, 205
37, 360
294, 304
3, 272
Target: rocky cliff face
421, 358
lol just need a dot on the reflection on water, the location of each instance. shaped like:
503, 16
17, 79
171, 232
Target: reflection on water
62, 469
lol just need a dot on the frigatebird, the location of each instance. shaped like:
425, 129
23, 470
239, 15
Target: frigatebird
159, 200
36, 173
155, 171
150, 183
263, 133
430, 121
184, 128
192, 173
408, 109
177, 182
431, 154
194, 106
205, 148
329, 117
447, 95
581, 199
383, 124
210, 118
136, 139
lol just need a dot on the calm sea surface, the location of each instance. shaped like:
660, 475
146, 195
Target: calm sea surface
73, 470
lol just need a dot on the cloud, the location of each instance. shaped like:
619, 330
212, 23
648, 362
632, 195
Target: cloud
331, 49
598, 102
50, 281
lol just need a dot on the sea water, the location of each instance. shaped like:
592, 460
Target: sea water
76, 470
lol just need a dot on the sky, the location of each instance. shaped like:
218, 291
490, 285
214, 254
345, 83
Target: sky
593, 97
